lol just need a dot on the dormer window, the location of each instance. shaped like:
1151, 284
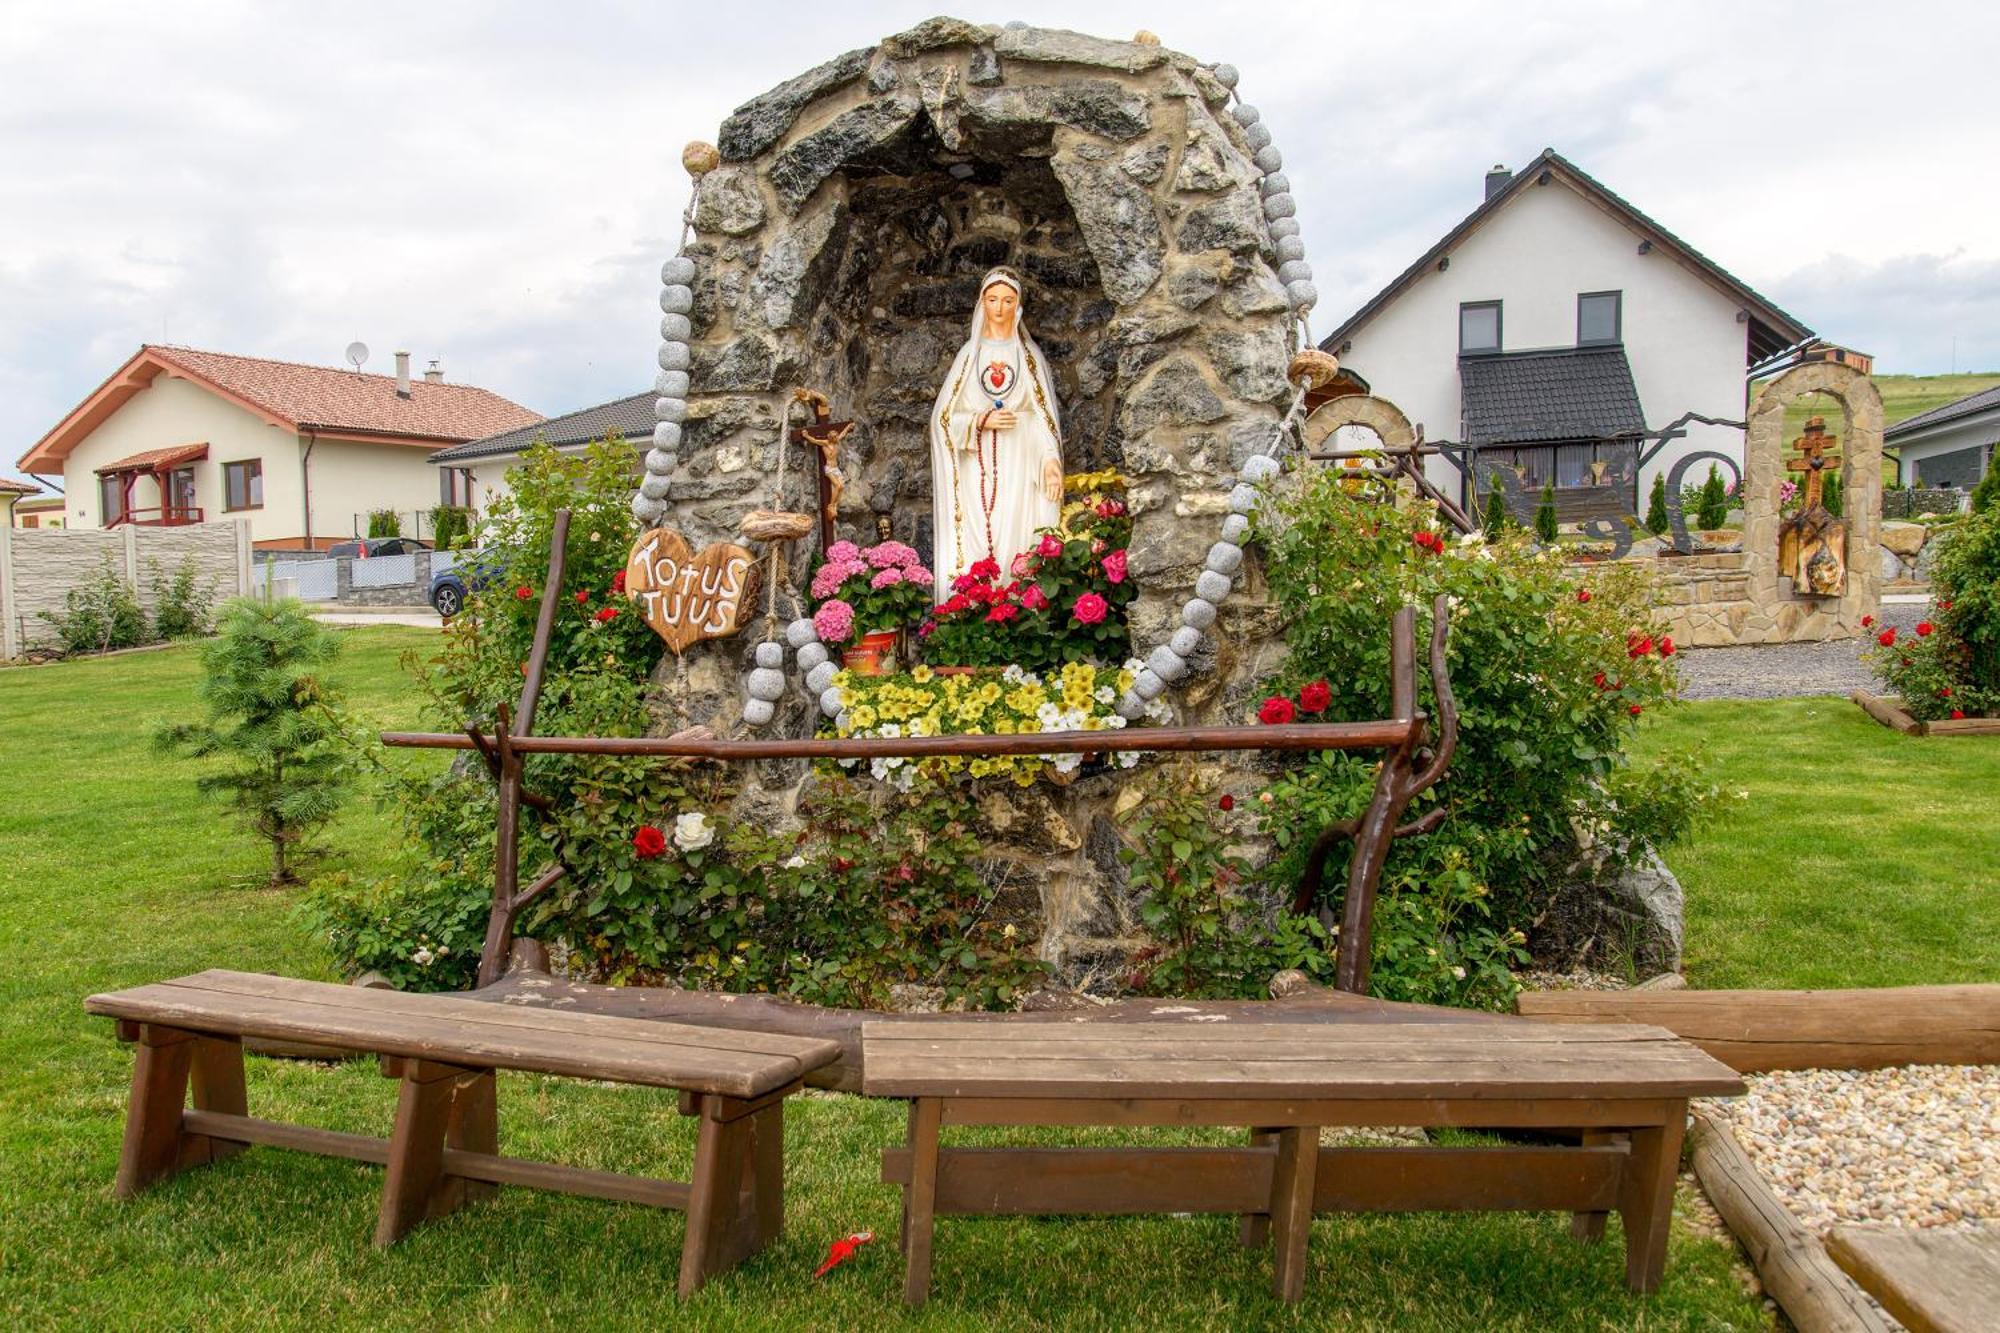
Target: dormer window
1599, 317
1478, 327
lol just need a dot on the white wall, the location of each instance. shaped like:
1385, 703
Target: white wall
350, 479
1535, 255
1982, 429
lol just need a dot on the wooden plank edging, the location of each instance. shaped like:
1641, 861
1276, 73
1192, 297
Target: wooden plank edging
1889, 712
1794, 1267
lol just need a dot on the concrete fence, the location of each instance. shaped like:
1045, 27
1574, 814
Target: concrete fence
379, 580
39, 566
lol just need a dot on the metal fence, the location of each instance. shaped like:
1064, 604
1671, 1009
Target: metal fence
316, 580
385, 571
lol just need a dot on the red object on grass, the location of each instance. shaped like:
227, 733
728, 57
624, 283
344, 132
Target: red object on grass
842, 1250
1583, 594
1277, 711
1635, 710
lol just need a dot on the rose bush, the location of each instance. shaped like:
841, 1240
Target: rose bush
1950, 665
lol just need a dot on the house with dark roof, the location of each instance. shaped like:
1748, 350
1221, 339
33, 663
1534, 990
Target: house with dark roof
304, 453
1951, 445
1552, 329
471, 471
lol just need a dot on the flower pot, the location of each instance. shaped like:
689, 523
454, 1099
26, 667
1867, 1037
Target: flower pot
873, 654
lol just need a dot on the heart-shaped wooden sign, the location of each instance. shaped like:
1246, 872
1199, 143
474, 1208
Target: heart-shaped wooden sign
687, 597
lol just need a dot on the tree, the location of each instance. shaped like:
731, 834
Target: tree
1545, 515
1829, 496
1713, 507
1987, 493
384, 523
276, 718
1656, 506
1498, 520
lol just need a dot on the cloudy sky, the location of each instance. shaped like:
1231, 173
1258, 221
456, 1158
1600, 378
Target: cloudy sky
495, 184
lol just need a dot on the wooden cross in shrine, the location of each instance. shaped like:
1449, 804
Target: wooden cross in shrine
1813, 460
824, 434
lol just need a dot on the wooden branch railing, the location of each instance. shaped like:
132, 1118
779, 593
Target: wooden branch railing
1413, 760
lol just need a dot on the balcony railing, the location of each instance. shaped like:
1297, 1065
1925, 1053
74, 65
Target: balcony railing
158, 518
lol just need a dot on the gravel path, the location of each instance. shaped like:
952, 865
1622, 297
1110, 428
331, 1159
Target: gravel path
1916, 1146
1788, 670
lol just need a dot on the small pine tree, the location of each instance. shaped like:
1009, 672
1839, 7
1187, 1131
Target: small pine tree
1829, 496
1656, 506
384, 523
1545, 515
1987, 493
272, 713
1713, 508
1498, 520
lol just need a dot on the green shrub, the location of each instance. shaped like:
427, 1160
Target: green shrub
1657, 521
451, 526
100, 614
182, 601
384, 523
1712, 510
1550, 678
272, 713
1498, 520
1951, 662
1986, 495
1545, 515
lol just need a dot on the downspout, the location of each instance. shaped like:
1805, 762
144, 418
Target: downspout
306, 482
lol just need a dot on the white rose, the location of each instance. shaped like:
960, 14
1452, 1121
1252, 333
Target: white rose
422, 957
692, 831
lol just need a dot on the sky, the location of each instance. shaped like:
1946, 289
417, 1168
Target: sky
495, 185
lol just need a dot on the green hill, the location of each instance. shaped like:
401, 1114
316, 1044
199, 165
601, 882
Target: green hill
1903, 396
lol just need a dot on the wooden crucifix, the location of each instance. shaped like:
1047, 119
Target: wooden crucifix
825, 435
1812, 544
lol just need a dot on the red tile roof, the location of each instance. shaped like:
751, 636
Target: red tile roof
157, 459
319, 399
13, 487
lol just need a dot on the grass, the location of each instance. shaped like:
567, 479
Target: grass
1852, 864
1850, 855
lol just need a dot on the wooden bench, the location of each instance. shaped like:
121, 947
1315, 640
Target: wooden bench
1623, 1089
444, 1049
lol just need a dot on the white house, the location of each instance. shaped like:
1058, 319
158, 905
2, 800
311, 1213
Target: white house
1947, 446
478, 468
304, 453
1555, 327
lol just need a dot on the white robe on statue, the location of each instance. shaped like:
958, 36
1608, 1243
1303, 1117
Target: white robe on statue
986, 487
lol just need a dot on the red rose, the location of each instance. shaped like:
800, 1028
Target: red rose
1944, 692
1315, 697
1598, 680
1114, 567
1666, 647
582, 596
984, 569
1090, 609
1958, 714
1635, 710
1867, 622
1049, 547
1110, 509
1887, 638
1427, 541
1944, 606
648, 842
1583, 594
1640, 646
1033, 598
1277, 710
1924, 628
618, 581
605, 613
1003, 612
524, 592
1227, 802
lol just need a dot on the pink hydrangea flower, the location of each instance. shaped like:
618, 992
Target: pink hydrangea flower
891, 555
842, 553
1049, 547
832, 574
887, 578
1114, 566
834, 621
918, 575
1090, 609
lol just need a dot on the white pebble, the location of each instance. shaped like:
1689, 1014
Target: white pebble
1259, 138
770, 654
811, 655
1226, 75
1283, 227
655, 487
1245, 114
1260, 467
1235, 529
1224, 558
820, 677
765, 683
1294, 270
1269, 159
1302, 294
1211, 586
801, 632
676, 328
674, 410
1244, 499
1167, 664
671, 384
759, 712
677, 272
1148, 685
1198, 614
1275, 183
676, 299
661, 463
674, 356
667, 436
829, 701
1186, 641
1290, 248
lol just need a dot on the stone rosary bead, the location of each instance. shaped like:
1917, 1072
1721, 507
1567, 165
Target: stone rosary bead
1279, 206
759, 712
1199, 613
1294, 270
829, 701
1290, 248
672, 411
676, 328
1211, 586
811, 655
1269, 159
1224, 558
1283, 227
766, 683
662, 462
655, 487
770, 654
1243, 500
1275, 183
674, 356
677, 272
801, 632
1245, 114
1235, 529
1130, 706
1260, 468
1226, 75
677, 299
667, 436
820, 677
648, 512
1186, 642
1304, 296
1167, 664
1148, 685
1259, 138
671, 384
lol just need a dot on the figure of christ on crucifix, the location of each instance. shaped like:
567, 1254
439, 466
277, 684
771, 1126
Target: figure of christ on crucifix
1813, 543
996, 441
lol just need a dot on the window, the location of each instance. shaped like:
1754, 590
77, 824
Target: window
243, 484
180, 492
1598, 317
111, 498
455, 486
1479, 327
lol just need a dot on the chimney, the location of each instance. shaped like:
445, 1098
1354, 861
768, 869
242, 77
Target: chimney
402, 374
435, 375
1496, 179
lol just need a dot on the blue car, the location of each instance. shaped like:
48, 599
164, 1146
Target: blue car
450, 587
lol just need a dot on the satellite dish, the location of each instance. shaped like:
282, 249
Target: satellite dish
357, 352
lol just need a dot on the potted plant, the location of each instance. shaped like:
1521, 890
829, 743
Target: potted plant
866, 598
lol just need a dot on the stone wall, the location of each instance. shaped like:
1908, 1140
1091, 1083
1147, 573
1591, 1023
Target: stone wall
840, 245
39, 566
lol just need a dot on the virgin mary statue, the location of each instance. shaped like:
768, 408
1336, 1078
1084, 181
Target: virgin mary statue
996, 441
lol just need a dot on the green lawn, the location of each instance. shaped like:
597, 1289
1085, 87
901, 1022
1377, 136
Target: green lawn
1860, 862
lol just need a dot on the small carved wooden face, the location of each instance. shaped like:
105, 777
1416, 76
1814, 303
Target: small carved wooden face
1002, 305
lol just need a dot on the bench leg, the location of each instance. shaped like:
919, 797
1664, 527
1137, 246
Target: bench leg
919, 1197
1255, 1229
1589, 1227
1292, 1183
767, 1172
1646, 1197
474, 1126
415, 1187
153, 1140
736, 1204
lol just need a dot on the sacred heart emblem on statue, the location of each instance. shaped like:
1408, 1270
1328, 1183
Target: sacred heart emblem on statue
687, 597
